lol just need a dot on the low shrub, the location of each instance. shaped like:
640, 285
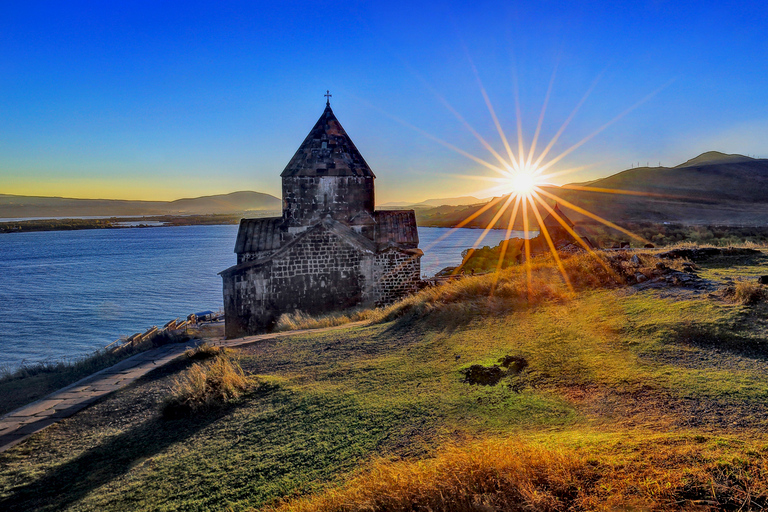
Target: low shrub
205, 386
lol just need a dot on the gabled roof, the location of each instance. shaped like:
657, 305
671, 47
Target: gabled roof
341, 230
396, 227
551, 222
257, 235
327, 151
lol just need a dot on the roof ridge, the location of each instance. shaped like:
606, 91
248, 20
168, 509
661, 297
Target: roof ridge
327, 150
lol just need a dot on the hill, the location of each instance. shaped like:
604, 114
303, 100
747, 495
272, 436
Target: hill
711, 189
711, 177
13, 206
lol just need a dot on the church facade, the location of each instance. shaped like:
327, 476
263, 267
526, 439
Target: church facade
330, 249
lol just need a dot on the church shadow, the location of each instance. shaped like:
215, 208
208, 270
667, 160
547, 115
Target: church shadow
446, 321
70, 482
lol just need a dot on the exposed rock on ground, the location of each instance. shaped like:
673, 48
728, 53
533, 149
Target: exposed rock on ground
514, 364
491, 375
704, 253
483, 375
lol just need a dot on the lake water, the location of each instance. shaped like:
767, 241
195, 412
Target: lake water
64, 294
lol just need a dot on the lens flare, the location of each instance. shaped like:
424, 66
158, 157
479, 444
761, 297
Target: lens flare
523, 182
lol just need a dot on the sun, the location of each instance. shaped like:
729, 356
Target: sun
522, 183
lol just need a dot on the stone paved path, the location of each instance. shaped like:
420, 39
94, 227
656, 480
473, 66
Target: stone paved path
18, 425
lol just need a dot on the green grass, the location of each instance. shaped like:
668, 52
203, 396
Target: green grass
614, 375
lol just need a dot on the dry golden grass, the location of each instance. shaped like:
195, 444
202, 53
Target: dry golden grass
746, 292
205, 386
204, 351
301, 320
658, 474
498, 291
511, 289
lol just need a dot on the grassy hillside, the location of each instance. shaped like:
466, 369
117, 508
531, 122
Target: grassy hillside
706, 190
12, 206
637, 398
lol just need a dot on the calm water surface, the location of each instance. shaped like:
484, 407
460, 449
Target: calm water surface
64, 294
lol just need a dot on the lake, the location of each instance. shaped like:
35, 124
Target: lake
64, 294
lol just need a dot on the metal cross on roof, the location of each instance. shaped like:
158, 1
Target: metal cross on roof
327, 98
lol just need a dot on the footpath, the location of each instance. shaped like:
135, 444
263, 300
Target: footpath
21, 423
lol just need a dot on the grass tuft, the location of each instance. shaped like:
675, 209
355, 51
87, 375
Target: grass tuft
747, 293
204, 351
206, 386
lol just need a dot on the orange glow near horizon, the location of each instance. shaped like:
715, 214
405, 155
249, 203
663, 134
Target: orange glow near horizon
156, 189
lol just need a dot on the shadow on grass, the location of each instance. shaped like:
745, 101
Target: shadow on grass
720, 338
70, 482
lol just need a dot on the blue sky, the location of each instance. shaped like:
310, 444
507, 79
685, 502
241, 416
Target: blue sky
161, 100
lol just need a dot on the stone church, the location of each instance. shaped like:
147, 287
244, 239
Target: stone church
330, 249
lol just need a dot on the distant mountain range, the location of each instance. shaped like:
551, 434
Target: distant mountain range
713, 188
448, 201
12, 206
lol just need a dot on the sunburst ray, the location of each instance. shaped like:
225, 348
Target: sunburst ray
527, 243
567, 122
542, 168
484, 233
579, 239
541, 119
543, 230
466, 221
593, 216
491, 110
505, 242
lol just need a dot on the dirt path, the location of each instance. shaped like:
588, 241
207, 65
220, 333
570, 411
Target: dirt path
21, 423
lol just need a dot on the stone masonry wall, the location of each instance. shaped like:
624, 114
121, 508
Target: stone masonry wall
309, 198
319, 274
247, 301
396, 274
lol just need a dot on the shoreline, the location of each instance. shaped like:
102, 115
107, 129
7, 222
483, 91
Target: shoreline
122, 222
154, 221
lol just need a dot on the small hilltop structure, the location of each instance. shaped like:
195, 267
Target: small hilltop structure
330, 249
556, 224
561, 232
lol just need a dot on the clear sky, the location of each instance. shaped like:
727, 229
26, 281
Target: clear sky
162, 100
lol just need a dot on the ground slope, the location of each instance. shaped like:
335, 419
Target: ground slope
631, 371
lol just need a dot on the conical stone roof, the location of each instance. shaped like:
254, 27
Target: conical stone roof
327, 151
